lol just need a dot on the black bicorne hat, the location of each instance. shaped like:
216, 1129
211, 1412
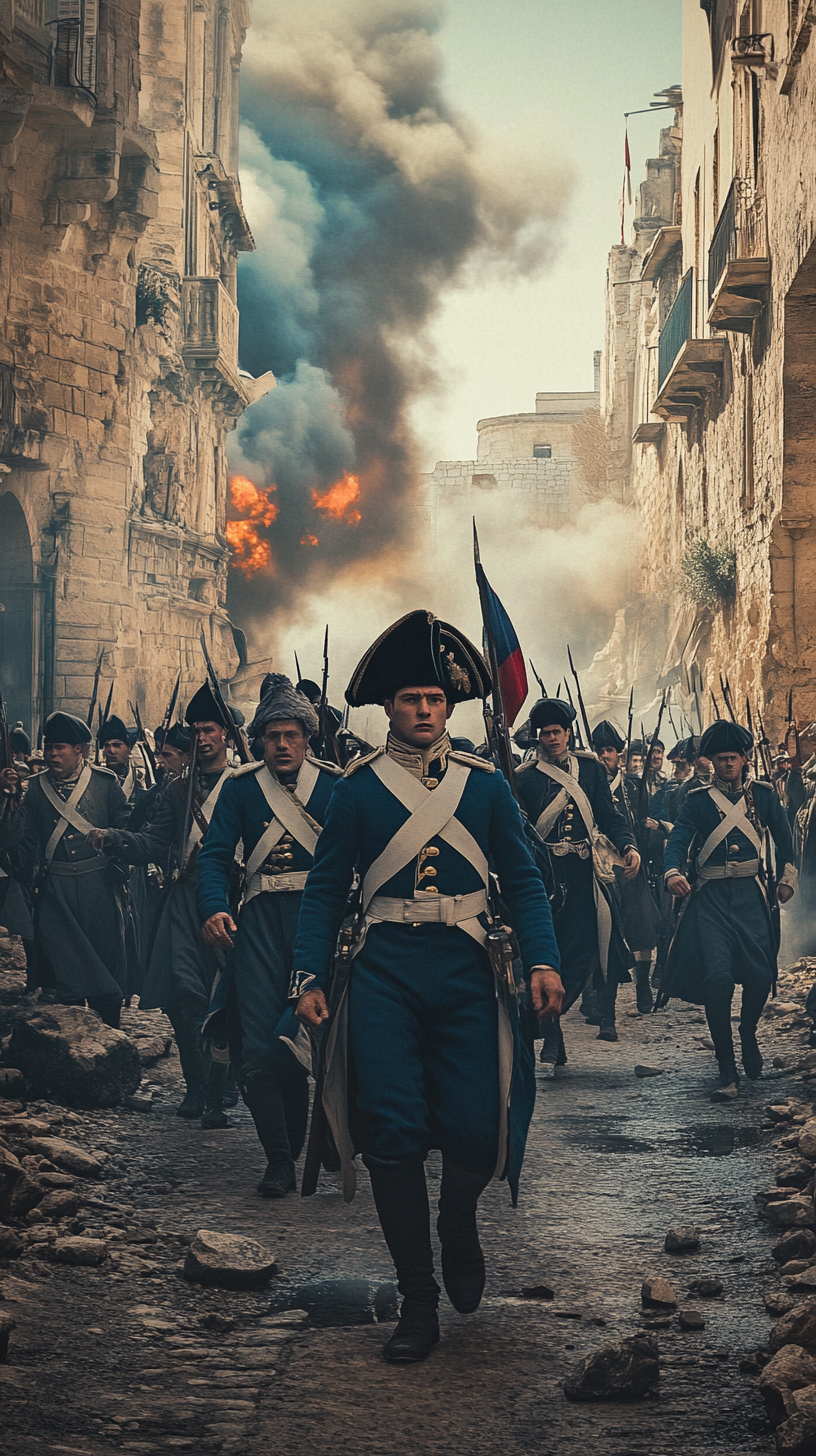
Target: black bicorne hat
726, 737
606, 735
176, 736
309, 689
679, 751
113, 728
419, 650
203, 708
551, 710
19, 741
65, 728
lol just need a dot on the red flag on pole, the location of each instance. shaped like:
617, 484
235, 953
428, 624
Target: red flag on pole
626, 191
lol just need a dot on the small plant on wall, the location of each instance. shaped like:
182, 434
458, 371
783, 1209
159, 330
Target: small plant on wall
708, 574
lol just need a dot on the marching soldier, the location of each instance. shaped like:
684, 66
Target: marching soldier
726, 933
566, 796
81, 914
114, 742
275, 809
424, 1016
641, 917
182, 968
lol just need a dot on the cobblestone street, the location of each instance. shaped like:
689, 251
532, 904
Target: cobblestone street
129, 1356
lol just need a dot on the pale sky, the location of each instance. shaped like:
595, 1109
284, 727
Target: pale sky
561, 76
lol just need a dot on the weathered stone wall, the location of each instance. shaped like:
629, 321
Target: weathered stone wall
121, 220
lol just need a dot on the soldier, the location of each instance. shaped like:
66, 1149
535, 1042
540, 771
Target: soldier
182, 968
566, 796
276, 809
641, 917
421, 1017
681, 768
114, 741
173, 751
726, 934
80, 916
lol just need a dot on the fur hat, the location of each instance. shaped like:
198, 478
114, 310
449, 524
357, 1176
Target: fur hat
282, 700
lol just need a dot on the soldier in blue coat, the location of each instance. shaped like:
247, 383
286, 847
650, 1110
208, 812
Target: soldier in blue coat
428, 1027
725, 934
276, 808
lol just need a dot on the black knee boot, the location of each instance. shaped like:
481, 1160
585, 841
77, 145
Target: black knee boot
718, 1016
108, 1008
401, 1198
463, 1266
643, 989
293, 1081
263, 1098
607, 994
193, 1068
214, 1114
751, 1010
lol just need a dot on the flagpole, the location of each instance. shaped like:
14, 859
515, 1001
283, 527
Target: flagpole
501, 734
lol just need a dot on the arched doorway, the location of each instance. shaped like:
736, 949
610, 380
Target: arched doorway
17, 611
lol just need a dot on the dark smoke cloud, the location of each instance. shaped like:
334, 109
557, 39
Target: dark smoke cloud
368, 196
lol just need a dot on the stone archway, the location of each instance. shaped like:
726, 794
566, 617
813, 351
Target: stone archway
17, 615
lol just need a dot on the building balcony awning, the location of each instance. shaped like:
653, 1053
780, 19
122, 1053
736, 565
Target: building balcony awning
695, 375
649, 432
740, 294
666, 240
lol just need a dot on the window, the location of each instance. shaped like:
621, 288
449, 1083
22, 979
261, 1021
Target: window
542, 452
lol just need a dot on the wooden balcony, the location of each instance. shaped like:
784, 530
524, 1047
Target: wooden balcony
209, 322
739, 264
694, 377
649, 432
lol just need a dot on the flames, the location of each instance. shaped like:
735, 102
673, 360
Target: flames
252, 508
336, 502
251, 553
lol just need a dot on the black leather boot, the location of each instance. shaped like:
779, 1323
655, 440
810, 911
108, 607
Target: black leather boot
214, 1114
752, 1004
293, 1081
463, 1265
718, 1016
401, 1198
193, 1069
607, 995
263, 1098
643, 990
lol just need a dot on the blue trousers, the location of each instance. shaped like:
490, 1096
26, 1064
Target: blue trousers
423, 1039
262, 967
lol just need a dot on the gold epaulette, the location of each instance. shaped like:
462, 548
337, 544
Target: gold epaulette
245, 768
361, 760
472, 760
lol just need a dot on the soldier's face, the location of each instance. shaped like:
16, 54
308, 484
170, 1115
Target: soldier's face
554, 739
610, 758
658, 755
115, 753
729, 766
681, 770
418, 715
64, 759
212, 744
635, 763
172, 759
284, 745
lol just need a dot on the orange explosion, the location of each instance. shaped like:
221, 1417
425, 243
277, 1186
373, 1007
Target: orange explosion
337, 501
308, 540
251, 552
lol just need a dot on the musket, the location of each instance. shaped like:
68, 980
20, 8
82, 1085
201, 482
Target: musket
108, 701
584, 717
226, 716
538, 679
795, 758
629, 727
324, 695
185, 829
576, 721
643, 787
725, 689
169, 710
297, 669
95, 692
142, 738
496, 724
714, 704
764, 745
750, 721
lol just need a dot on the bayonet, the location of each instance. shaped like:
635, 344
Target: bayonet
647, 763
95, 692
629, 728
169, 710
576, 719
584, 718
538, 679
142, 738
297, 668
226, 716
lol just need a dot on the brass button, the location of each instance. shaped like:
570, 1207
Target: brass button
431, 850
429, 890
734, 848
431, 783
429, 871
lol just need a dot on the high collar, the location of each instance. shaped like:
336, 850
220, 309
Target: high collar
562, 762
65, 787
418, 761
732, 790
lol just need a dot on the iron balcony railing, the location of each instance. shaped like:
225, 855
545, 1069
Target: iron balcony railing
676, 330
74, 25
724, 242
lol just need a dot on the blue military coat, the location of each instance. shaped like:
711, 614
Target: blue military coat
362, 820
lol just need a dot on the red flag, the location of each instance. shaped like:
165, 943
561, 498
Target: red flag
626, 191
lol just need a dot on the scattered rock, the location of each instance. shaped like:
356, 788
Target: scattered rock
658, 1293
622, 1371
79, 1250
805, 1279
220, 1322
18, 1191
643, 1071
69, 1054
780, 1112
798, 1327
791, 1368
797, 1436
794, 1266
137, 1102
707, 1287
791, 1213
795, 1175
685, 1236
12, 1082
59, 1203
691, 1319
67, 1155
228, 1261
6, 1326
151, 1048
10, 1243
23, 1127
807, 1140
798, 1244
805, 1401
538, 1291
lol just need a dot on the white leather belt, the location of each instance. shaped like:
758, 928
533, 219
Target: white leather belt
581, 847
430, 909
736, 870
276, 884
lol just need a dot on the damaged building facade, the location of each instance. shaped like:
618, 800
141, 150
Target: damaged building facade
709, 375
122, 220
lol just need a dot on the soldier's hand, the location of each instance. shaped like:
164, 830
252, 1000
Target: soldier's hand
631, 863
678, 886
9, 782
312, 1009
651, 824
784, 893
96, 838
547, 991
216, 930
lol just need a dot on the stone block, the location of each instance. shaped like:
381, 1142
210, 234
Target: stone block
70, 1054
622, 1371
228, 1261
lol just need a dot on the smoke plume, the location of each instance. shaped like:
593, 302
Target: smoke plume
368, 196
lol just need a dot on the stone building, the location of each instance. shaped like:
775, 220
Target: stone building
709, 376
531, 456
121, 223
